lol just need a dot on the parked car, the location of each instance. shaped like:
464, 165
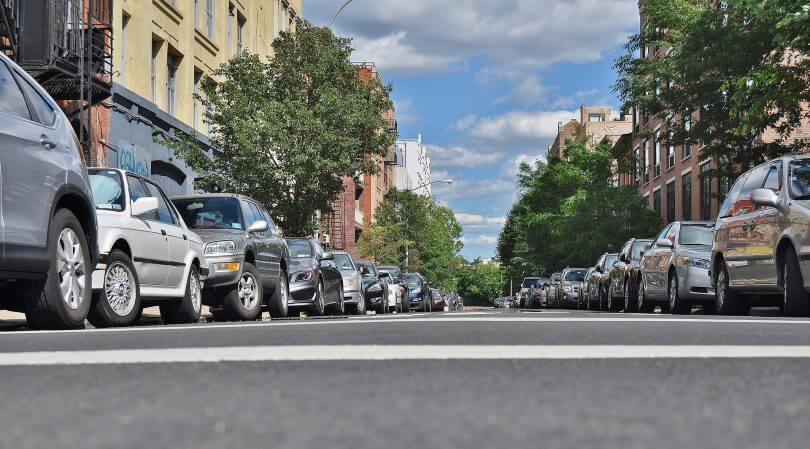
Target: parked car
526, 293
584, 292
146, 253
316, 284
381, 294
569, 286
48, 229
761, 250
675, 270
437, 300
403, 305
249, 259
418, 291
599, 283
552, 300
539, 292
354, 296
624, 276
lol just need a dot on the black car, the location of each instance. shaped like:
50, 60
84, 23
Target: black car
315, 281
376, 286
625, 278
418, 292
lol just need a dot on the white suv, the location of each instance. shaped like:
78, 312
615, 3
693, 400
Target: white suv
147, 254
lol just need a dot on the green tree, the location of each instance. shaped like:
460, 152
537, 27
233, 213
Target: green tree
736, 67
286, 132
480, 283
416, 233
569, 212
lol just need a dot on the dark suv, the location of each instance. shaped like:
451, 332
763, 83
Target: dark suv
246, 254
48, 230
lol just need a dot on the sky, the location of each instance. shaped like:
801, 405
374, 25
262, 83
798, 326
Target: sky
486, 82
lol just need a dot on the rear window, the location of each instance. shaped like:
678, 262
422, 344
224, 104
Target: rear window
529, 282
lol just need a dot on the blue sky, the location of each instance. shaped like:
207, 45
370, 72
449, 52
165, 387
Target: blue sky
485, 82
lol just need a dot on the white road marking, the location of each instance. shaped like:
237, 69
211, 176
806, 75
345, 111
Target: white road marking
492, 319
377, 353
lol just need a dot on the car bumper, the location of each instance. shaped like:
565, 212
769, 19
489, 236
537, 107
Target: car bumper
220, 272
569, 299
303, 293
695, 284
351, 297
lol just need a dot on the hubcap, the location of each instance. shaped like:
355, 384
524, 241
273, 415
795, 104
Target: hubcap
248, 291
120, 289
285, 292
194, 292
320, 297
71, 269
673, 292
721, 289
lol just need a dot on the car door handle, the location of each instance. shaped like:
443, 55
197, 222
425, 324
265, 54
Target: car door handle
47, 142
185, 237
163, 231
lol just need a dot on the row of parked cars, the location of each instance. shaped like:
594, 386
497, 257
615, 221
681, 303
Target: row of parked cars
102, 244
756, 253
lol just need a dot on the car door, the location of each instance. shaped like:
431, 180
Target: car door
332, 278
277, 246
652, 267
176, 236
152, 244
743, 240
764, 227
33, 161
617, 272
265, 263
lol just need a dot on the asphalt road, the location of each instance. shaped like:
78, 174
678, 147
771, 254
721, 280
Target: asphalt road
496, 379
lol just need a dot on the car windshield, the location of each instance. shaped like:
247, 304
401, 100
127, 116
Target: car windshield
529, 282
210, 213
696, 235
300, 249
638, 247
367, 268
412, 281
393, 271
575, 276
108, 189
555, 278
610, 260
344, 262
800, 179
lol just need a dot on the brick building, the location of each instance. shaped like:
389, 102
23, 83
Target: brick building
595, 124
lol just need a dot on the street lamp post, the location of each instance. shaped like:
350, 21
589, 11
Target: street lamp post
441, 181
345, 4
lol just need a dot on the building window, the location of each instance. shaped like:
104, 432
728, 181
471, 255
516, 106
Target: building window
705, 191
670, 149
594, 117
657, 154
153, 69
240, 34
671, 202
657, 201
209, 17
687, 144
637, 173
197, 13
646, 167
172, 64
686, 196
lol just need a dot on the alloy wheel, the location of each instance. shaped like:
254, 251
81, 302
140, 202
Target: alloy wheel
284, 294
673, 292
194, 292
71, 269
721, 290
119, 289
248, 291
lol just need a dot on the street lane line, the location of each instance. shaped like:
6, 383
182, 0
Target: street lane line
379, 353
494, 319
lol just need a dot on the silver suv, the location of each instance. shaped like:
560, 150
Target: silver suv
761, 250
48, 229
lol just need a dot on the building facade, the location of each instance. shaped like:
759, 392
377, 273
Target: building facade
595, 124
412, 171
165, 51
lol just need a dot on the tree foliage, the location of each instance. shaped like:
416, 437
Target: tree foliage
286, 132
741, 68
480, 283
569, 212
414, 232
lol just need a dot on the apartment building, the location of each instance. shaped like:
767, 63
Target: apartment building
595, 124
412, 171
165, 50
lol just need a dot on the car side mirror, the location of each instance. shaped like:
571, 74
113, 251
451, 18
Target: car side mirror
622, 258
664, 243
765, 197
259, 226
143, 206
326, 256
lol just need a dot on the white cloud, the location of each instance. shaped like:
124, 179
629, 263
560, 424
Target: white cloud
478, 223
460, 157
512, 167
481, 240
575, 100
464, 124
426, 36
404, 111
527, 92
471, 188
517, 129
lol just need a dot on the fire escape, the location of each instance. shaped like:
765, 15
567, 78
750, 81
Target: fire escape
66, 45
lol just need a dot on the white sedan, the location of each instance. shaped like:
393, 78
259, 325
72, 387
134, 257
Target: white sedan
147, 254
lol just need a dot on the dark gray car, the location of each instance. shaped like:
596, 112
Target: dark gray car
48, 229
316, 282
249, 259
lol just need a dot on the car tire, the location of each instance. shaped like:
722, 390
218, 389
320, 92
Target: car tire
728, 302
188, 308
794, 299
406, 304
318, 308
45, 306
677, 306
612, 304
630, 296
279, 302
119, 301
339, 308
244, 301
644, 304
361, 303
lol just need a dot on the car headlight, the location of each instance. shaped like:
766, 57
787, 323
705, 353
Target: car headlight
351, 281
375, 288
304, 276
223, 248
694, 262
567, 288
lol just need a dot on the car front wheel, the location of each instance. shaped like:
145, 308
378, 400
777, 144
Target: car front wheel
677, 306
279, 301
119, 302
794, 300
243, 302
728, 302
188, 308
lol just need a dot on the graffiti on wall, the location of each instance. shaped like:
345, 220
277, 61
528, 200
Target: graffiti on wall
135, 159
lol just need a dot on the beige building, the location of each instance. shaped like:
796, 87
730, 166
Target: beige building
595, 124
164, 51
